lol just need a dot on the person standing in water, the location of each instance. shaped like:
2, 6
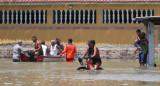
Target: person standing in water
136, 43
17, 50
143, 50
58, 42
38, 48
93, 54
70, 50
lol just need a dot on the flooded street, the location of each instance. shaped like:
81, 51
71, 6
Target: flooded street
115, 73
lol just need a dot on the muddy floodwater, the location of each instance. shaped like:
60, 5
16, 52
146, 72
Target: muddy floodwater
115, 73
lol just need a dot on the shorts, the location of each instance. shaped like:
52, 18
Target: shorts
136, 44
96, 61
142, 58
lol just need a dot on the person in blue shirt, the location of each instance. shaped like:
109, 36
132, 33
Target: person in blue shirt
136, 43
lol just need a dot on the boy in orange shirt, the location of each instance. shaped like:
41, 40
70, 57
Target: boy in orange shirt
70, 50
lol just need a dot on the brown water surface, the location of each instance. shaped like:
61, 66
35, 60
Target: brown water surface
115, 73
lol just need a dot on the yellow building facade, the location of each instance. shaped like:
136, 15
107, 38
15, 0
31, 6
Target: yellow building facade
106, 23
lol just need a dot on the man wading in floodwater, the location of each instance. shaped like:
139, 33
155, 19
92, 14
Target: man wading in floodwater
93, 53
70, 50
38, 48
17, 50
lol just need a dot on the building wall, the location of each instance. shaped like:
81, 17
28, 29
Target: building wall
123, 34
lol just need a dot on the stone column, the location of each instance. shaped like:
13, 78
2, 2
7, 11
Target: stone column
113, 16
122, 16
65, 16
150, 36
83, 16
151, 13
12, 17
141, 13
93, 21
70, 16
7, 16
132, 16
136, 15
44, 16
56, 17
105, 17
109, 18
16, 16
146, 13
35, 19
74, 16
25, 16
61, 16
3, 17
127, 16
79, 22
88, 16
30, 17
39, 16
21, 16
118, 16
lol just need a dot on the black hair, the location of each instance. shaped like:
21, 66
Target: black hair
34, 37
143, 34
70, 40
138, 30
94, 42
43, 42
57, 39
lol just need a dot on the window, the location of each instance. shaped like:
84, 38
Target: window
23, 16
74, 16
124, 16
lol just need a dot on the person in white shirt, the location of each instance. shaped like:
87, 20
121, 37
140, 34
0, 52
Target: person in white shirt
44, 48
54, 48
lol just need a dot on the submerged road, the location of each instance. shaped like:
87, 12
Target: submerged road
118, 73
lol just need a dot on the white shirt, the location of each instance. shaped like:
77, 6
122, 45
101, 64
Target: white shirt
44, 48
53, 50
